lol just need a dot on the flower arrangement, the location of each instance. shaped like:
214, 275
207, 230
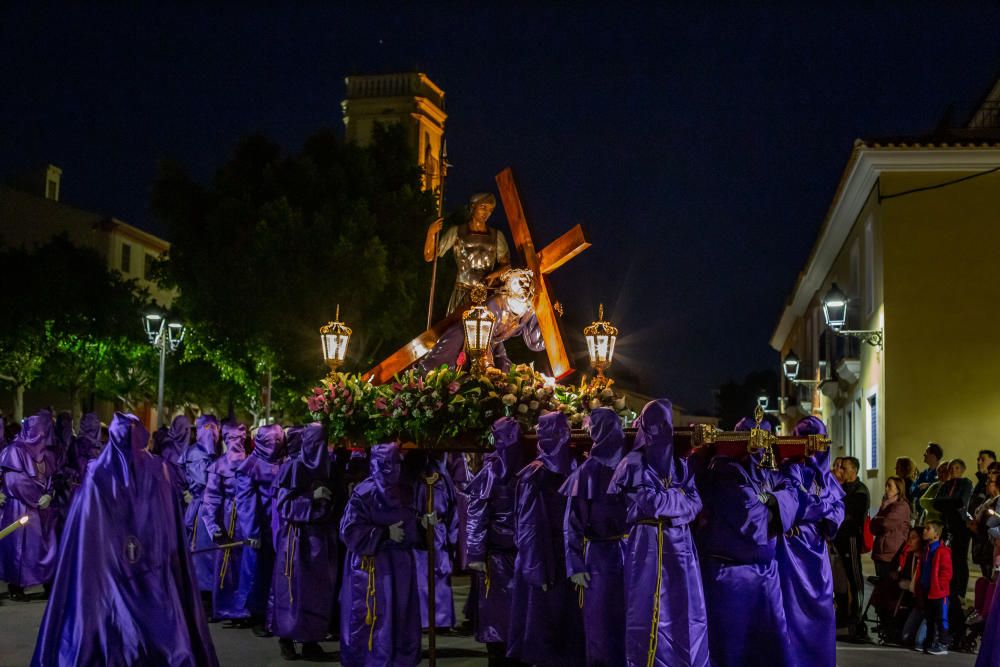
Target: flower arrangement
524, 393
591, 395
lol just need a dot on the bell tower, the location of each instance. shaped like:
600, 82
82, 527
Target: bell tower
407, 98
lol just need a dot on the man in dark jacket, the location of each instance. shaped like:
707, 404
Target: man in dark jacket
952, 501
932, 457
986, 457
849, 542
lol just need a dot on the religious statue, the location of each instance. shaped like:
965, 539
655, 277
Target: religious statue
511, 304
479, 249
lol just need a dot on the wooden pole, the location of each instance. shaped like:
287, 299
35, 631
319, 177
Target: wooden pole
442, 164
431, 571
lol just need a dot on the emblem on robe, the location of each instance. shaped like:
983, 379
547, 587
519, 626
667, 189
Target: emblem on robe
133, 549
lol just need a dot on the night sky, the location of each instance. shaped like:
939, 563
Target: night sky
700, 148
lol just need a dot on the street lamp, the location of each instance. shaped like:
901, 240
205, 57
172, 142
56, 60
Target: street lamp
791, 366
762, 402
335, 336
601, 336
478, 323
162, 335
835, 314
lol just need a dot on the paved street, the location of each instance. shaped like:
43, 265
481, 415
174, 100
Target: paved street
239, 648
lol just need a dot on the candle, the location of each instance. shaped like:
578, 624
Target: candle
14, 526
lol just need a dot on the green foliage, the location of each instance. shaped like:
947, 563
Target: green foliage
264, 253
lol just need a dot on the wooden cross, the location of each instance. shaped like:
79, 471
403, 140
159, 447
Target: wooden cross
542, 263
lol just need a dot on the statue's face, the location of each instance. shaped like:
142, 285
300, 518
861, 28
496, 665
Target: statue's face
481, 212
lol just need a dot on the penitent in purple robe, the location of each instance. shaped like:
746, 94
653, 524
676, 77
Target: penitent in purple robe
28, 557
665, 617
545, 619
305, 566
86, 445
445, 537
124, 593
596, 530
803, 559
379, 623
219, 515
458, 470
989, 648
490, 531
195, 462
748, 507
255, 491
171, 448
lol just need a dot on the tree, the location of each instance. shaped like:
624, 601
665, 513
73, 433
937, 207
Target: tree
263, 254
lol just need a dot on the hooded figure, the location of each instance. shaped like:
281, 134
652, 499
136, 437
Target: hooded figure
86, 445
195, 462
490, 529
218, 513
124, 593
596, 530
545, 622
748, 508
665, 618
803, 560
172, 448
255, 490
305, 566
434, 492
28, 557
379, 622
64, 478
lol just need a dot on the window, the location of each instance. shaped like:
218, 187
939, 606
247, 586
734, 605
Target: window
126, 265
873, 432
869, 290
147, 269
52, 190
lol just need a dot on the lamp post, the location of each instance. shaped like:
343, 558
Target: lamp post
478, 323
601, 336
762, 402
162, 334
835, 313
335, 336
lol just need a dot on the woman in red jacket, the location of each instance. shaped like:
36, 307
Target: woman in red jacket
890, 526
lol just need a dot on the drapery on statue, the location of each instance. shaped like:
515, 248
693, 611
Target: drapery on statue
511, 305
480, 251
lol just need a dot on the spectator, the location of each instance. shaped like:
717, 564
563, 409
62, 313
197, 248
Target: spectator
906, 469
928, 511
983, 461
982, 546
903, 582
933, 588
952, 501
848, 543
890, 526
932, 457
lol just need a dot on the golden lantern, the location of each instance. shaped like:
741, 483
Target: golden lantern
478, 323
601, 336
335, 336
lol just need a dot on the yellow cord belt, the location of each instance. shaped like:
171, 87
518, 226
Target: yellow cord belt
368, 565
232, 536
580, 589
653, 632
290, 545
486, 578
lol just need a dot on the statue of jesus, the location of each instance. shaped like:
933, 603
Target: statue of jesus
480, 251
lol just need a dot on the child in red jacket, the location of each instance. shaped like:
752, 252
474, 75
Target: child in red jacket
933, 586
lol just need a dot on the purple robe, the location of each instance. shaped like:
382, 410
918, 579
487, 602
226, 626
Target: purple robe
665, 617
803, 560
545, 619
305, 566
989, 648
28, 557
379, 623
490, 529
172, 448
445, 537
218, 513
458, 470
747, 507
595, 531
195, 463
86, 445
255, 491
124, 593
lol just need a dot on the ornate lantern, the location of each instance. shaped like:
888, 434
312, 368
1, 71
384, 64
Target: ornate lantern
791, 366
601, 336
478, 323
835, 308
335, 336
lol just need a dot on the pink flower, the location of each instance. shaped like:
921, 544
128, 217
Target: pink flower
437, 405
453, 387
406, 412
315, 403
396, 402
420, 383
318, 391
397, 387
349, 399
346, 392
380, 403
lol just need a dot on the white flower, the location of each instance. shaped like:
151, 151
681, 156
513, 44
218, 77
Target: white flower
540, 394
527, 392
533, 405
522, 408
576, 419
512, 389
509, 399
607, 393
595, 403
620, 403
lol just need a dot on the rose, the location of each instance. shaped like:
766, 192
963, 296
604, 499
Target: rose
533, 405
540, 394
526, 392
512, 389
522, 408
453, 387
509, 399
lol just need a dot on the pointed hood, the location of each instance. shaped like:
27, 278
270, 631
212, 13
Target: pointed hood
655, 436
819, 462
234, 443
63, 435
606, 431
36, 434
553, 437
127, 439
269, 443
308, 459
177, 439
506, 435
314, 453
87, 444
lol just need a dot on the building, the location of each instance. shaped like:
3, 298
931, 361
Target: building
907, 238
407, 98
31, 213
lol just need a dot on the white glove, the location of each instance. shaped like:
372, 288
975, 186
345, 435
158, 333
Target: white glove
581, 579
188, 498
44, 501
322, 493
3, 499
430, 520
545, 587
478, 566
253, 543
396, 532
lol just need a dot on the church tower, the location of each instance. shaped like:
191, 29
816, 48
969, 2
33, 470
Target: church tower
409, 98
